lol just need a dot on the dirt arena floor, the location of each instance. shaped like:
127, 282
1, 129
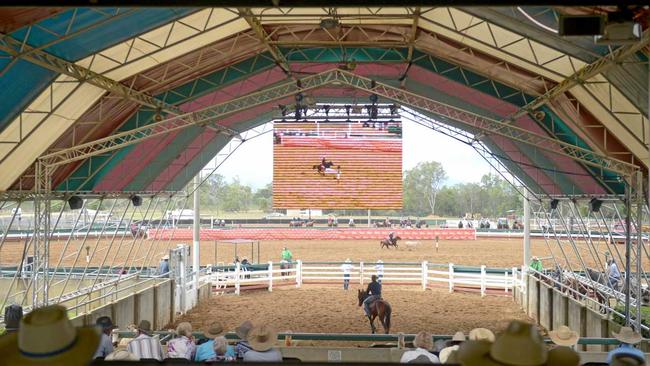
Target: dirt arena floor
330, 309
492, 252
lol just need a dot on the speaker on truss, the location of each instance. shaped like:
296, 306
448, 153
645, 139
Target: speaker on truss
75, 202
136, 200
594, 204
581, 25
554, 203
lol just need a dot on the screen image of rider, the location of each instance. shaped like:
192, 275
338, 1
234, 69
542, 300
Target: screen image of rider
337, 165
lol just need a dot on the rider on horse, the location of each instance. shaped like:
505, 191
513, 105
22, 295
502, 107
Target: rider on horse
374, 293
391, 238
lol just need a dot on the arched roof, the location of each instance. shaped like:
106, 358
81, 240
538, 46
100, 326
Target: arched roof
60, 68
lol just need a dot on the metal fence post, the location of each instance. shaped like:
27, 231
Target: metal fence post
451, 277
270, 276
483, 281
298, 273
425, 273
237, 277
514, 279
361, 273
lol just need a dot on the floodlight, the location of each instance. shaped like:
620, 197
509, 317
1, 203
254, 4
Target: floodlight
136, 200
326, 108
594, 204
75, 202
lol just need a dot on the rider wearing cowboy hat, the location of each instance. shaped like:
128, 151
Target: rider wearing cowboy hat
374, 293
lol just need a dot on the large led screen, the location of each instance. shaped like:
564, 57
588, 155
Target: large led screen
337, 165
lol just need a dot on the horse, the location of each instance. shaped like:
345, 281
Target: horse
378, 309
387, 243
309, 223
295, 223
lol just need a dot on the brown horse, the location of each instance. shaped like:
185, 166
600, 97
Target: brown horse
387, 243
379, 309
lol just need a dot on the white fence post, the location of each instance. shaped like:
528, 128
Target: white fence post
451, 277
425, 274
523, 284
505, 281
298, 273
361, 273
270, 276
514, 279
483, 281
237, 277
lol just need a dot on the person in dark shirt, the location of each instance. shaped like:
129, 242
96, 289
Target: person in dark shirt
374, 292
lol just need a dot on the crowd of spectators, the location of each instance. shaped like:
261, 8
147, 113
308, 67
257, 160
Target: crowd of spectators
47, 336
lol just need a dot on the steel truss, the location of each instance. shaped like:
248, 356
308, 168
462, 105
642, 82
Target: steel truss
337, 77
580, 238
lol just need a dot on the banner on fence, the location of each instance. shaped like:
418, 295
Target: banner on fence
313, 234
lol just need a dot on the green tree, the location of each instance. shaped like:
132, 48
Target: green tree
263, 197
421, 187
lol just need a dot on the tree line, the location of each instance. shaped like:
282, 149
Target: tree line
425, 194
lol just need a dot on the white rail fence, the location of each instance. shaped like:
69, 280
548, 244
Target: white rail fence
236, 278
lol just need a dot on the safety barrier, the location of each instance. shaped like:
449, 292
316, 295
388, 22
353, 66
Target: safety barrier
314, 234
493, 281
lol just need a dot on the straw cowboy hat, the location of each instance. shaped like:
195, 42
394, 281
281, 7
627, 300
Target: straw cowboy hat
520, 344
46, 336
347, 260
563, 356
423, 340
627, 335
459, 337
564, 336
446, 352
481, 334
122, 355
262, 338
243, 330
214, 330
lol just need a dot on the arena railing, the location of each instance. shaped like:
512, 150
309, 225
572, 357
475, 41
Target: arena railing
164, 336
569, 291
485, 280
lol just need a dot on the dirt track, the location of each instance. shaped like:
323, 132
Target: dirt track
492, 252
320, 309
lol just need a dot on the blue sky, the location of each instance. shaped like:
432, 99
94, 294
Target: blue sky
253, 161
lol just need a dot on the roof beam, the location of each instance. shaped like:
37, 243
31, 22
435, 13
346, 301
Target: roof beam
44, 59
257, 27
581, 76
339, 78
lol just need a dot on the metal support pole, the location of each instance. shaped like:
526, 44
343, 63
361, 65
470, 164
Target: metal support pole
369, 223
526, 228
196, 242
640, 201
628, 250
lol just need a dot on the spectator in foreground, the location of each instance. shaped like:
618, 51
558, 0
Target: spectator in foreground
183, 345
481, 334
220, 348
13, 315
626, 352
205, 351
262, 340
105, 342
144, 345
47, 337
423, 343
242, 332
346, 267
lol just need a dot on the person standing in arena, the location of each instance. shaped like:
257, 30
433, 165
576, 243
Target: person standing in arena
379, 268
346, 267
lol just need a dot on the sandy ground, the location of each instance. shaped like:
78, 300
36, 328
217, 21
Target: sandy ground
492, 252
330, 309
